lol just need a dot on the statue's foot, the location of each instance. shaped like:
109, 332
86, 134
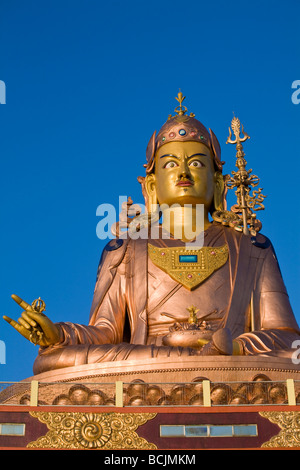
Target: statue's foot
221, 344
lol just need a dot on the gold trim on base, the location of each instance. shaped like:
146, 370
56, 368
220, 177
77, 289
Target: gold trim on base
107, 431
289, 422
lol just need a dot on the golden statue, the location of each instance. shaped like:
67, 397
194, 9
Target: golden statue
165, 296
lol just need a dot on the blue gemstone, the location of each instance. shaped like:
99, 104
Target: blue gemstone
182, 132
188, 258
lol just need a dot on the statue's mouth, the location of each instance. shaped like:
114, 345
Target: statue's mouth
185, 183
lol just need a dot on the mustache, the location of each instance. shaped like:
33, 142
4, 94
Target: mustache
184, 179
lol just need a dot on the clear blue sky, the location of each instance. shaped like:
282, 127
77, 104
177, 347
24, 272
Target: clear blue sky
87, 83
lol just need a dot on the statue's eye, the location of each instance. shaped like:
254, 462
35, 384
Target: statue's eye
170, 164
196, 164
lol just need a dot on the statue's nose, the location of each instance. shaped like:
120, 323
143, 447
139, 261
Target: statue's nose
184, 170
184, 173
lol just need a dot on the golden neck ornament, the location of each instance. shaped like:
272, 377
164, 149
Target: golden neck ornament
189, 267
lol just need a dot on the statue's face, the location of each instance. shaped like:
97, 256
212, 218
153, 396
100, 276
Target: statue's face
184, 174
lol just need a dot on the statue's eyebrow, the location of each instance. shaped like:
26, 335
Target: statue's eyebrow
169, 155
196, 155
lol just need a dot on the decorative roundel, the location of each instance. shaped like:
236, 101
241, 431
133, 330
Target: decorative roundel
193, 133
172, 135
182, 132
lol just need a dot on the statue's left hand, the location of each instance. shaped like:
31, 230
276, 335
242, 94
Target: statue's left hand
221, 344
34, 326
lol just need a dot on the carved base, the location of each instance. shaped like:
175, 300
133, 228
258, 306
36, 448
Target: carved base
95, 384
215, 368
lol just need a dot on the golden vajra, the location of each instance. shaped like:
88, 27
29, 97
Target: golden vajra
39, 306
193, 317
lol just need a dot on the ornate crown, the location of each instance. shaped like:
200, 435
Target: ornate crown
182, 127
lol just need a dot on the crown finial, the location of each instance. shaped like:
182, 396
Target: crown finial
180, 110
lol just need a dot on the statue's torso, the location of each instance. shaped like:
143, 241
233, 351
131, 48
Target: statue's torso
166, 296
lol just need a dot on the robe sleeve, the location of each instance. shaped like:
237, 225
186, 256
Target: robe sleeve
108, 310
275, 327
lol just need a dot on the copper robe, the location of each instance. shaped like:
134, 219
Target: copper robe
131, 297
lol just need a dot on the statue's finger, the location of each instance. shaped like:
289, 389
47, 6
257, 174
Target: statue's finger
21, 302
38, 318
24, 323
9, 320
16, 326
28, 319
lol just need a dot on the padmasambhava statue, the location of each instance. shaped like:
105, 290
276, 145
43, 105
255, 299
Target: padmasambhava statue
157, 296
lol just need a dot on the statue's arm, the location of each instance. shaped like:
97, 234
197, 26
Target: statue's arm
275, 327
107, 323
108, 309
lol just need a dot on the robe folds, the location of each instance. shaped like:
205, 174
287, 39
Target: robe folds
135, 303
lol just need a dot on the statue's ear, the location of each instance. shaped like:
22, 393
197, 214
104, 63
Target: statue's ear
141, 180
150, 190
220, 191
150, 152
217, 150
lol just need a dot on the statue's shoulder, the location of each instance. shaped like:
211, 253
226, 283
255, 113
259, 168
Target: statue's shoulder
258, 242
115, 244
113, 253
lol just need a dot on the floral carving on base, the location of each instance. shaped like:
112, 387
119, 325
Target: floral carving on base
71, 430
289, 422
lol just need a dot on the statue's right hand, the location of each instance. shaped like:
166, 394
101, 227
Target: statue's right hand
34, 326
